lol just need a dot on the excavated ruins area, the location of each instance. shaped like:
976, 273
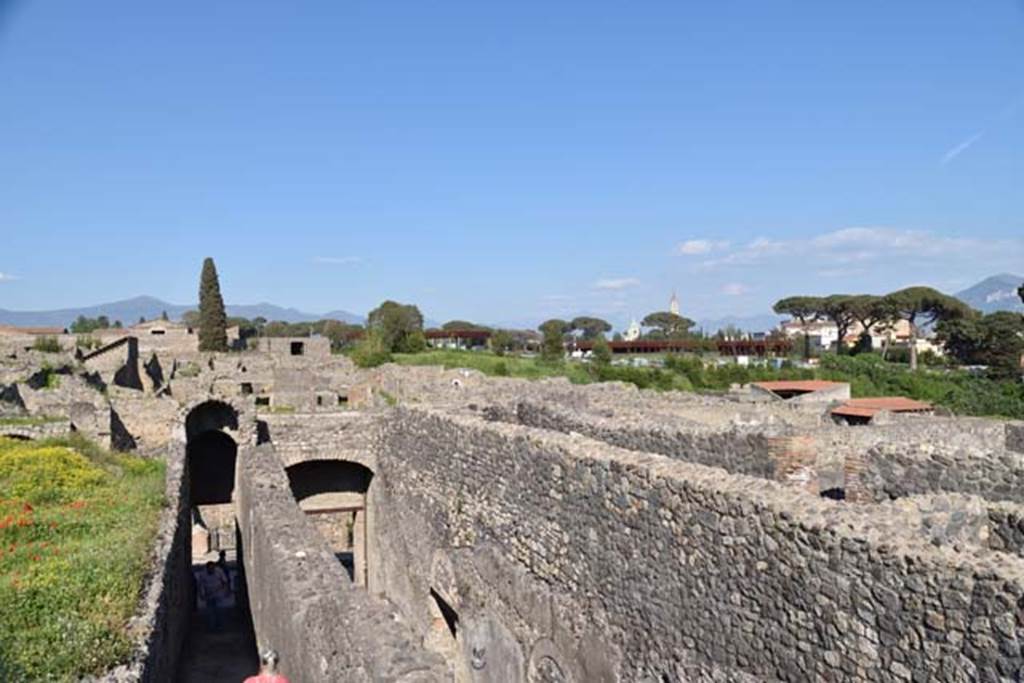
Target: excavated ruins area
423, 524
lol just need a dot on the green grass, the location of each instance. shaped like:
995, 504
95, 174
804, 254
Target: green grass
868, 375
535, 368
76, 526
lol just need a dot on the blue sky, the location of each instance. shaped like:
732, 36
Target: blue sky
507, 162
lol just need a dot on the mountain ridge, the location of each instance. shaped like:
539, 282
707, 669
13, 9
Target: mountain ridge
128, 311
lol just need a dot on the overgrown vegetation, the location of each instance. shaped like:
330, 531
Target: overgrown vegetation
76, 526
46, 344
868, 375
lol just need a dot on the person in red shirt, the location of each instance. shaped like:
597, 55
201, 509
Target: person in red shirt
268, 670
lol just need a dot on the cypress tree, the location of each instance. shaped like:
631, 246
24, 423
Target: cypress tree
213, 321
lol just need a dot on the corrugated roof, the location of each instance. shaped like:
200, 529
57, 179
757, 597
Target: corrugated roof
867, 407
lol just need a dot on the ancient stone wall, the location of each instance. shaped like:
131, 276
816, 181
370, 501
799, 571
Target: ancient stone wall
569, 559
303, 603
300, 437
1015, 437
734, 451
162, 620
897, 470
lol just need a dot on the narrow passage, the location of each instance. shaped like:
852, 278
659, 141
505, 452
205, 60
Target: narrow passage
224, 654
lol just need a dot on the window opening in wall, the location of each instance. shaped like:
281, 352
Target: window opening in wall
246, 388
157, 332
834, 493
451, 617
297, 348
342, 399
319, 400
263, 400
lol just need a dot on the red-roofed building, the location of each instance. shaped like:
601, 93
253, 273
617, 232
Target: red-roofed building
864, 410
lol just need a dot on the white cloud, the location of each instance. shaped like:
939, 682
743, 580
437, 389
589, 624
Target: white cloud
337, 260
863, 245
955, 151
557, 297
7, 277
699, 247
616, 283
735, 289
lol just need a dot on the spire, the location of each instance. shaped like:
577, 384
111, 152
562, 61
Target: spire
673, 304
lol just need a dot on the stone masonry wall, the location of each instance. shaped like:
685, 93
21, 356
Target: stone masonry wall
569, 559
897, 470
166, 605
734, 451
303, 603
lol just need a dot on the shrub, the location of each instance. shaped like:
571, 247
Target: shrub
45, 475
76, 525
87, 342
370, 352
46, 345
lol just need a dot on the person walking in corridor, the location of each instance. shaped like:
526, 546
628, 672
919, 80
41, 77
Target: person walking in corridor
214, 589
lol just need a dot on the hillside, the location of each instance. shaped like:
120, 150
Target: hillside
996, 293
129, 311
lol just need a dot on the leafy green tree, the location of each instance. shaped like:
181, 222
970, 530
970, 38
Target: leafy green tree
872, 313
212, 317
838, 309
371, 351
552, 347
400, 327
118, 325
591, 328
806, 309
163, 316
190, 318
83, 325
341, 334
501, 342
995, 340
667, 325
601, 354
142, 319
961, 338
924, 305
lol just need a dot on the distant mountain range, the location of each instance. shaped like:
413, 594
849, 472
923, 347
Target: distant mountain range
996, 293
129, 311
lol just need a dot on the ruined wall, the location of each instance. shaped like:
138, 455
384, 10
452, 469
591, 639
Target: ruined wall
1015, 437
303, 603
165, 608
338, 436
734, 451
568, 559
897, 470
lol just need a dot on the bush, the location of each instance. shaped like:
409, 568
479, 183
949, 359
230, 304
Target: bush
370, 352
46, 345
87, 342
46, 475
76, 526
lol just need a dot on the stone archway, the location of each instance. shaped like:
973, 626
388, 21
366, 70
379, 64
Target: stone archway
211, 450
334, 494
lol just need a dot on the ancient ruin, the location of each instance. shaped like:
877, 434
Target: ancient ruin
421, 524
